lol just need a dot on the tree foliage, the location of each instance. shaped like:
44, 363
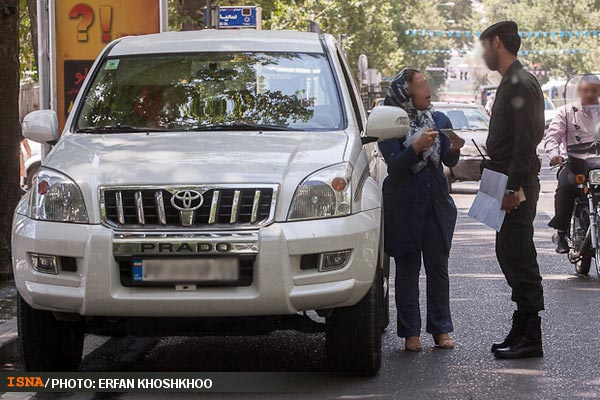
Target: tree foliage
367, 26
553, 15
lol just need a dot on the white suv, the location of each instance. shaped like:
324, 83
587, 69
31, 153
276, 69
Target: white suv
200, 176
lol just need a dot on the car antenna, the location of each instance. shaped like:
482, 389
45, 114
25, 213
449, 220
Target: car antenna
479, 150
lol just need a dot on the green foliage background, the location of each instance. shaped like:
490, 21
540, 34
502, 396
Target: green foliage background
376, 28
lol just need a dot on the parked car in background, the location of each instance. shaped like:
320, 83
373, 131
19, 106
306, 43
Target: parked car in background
471, 122
32, 159
378, 102
549, 111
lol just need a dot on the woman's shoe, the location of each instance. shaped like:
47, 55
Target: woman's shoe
443, 341
412, 343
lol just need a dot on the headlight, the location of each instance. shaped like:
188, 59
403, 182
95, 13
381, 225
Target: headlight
326, 193
54, 197
595, 177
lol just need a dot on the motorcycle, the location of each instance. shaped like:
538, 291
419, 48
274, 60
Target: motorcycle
584, 162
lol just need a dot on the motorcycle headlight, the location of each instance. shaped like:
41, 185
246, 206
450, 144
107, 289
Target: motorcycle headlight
595, 177
326, 193
54, 197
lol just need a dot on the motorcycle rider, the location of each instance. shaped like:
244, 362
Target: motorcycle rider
574, 123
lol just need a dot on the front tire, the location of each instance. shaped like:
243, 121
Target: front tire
582, 267
47, 345
353, 334
579, 227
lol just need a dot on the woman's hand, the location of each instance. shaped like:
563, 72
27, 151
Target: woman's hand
456, 142
424, 141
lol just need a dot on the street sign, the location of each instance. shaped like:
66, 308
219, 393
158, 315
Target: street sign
80, 31
240, 17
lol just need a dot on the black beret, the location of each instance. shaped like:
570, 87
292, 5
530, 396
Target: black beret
502, 29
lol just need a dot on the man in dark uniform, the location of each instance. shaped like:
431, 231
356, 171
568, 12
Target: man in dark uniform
516, 129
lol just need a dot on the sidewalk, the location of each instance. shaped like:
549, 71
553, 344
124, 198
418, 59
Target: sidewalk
9, 348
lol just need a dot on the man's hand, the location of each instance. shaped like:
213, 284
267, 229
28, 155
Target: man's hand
557, 160
424, 141
510, 203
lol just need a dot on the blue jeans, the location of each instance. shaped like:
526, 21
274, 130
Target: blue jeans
408, 267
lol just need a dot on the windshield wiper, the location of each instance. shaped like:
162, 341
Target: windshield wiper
243, 126
118, 129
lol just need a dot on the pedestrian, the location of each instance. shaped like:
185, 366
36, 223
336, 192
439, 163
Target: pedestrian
419, 214
573, 123
516, 129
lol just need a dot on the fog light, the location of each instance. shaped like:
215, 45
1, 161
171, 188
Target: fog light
44, 263
334, 260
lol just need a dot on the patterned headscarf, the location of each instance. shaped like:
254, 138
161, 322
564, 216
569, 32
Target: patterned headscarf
398, 95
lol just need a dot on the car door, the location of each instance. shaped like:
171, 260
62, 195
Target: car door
377, 167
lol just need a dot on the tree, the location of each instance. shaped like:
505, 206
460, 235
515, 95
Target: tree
186, 15
9, 124
28, 37
367, 25
553, 15
428, 18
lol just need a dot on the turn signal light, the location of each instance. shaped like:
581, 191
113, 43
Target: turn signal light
339, 184
579, 179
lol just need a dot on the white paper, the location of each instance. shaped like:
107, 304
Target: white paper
414, 137
487, 206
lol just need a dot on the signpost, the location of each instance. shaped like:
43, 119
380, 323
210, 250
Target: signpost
240, 17
77, 33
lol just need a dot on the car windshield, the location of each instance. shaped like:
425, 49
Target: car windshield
212, 91
467, 118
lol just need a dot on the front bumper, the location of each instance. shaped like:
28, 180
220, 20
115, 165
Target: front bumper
279, 286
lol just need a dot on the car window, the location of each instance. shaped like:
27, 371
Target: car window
467, 118
198, 91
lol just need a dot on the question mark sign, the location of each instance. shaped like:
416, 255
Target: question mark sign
85, 11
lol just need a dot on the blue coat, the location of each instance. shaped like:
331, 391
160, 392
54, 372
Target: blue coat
405, 194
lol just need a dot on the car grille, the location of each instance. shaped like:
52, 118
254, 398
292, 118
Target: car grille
215, 208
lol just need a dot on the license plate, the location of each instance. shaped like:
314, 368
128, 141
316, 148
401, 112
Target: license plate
186, 270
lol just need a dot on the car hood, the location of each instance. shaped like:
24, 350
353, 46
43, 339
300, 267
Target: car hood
190, 158
196, 157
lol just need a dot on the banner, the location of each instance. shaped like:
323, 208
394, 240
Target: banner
523, 34
521, 52
83, 28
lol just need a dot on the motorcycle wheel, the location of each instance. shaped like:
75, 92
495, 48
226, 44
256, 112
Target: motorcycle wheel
579, 226
582, 267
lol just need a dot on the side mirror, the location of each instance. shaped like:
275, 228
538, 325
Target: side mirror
41, 126
387, 122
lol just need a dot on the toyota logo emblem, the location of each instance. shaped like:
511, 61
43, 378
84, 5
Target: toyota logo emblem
187, 200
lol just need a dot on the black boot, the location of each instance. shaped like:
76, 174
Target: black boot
518, 324
560, 240
529, 344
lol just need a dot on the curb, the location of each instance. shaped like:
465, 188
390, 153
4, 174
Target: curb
9, 345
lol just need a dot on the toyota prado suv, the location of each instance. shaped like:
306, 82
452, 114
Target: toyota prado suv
210, 180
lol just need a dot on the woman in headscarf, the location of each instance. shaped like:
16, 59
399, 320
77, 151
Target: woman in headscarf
419, 213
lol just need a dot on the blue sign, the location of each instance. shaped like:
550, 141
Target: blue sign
238, 17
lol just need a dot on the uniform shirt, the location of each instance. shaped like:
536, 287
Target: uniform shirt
516, 126
571, 125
